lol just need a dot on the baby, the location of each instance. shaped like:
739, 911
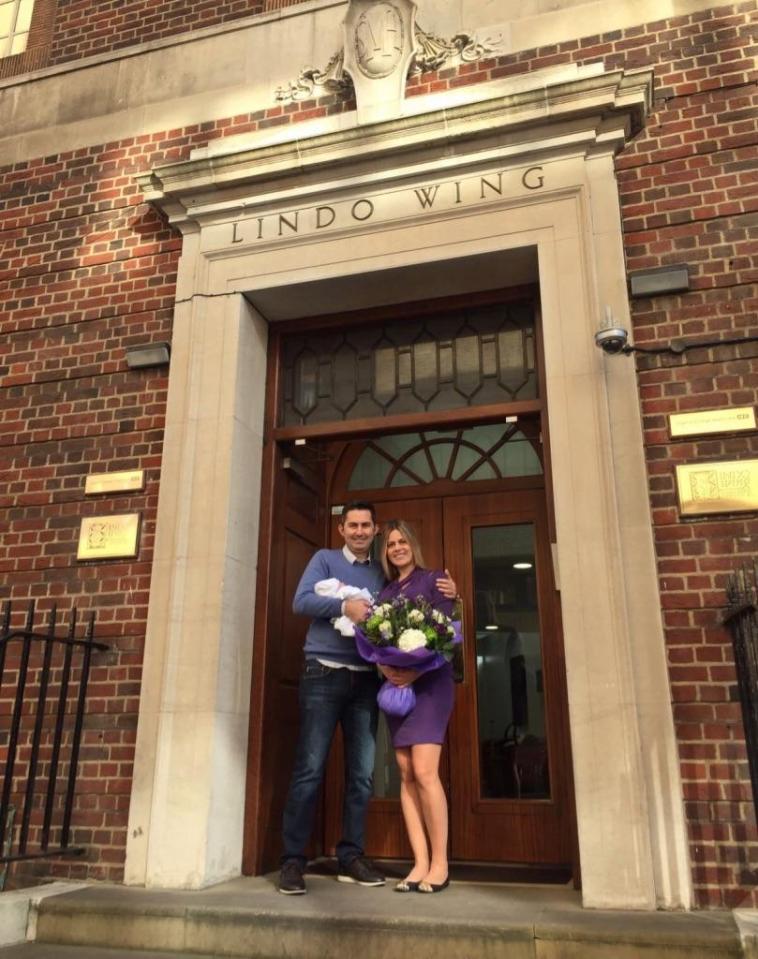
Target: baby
334, 589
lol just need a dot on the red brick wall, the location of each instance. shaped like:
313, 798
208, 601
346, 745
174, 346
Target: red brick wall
86, 272
86, 27
89, 269
689, 194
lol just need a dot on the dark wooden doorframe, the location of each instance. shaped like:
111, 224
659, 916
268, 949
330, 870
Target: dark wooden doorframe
262, 815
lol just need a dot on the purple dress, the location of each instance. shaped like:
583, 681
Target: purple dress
435, 690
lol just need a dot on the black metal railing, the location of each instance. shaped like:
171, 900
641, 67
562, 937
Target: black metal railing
742, 620
43, 690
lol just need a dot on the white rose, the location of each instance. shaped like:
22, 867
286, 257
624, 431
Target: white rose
415, 616
385, 629
438, 617
411, 639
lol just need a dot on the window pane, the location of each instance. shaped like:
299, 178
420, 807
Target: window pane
399, 443
370, 472
441, 453
483, 472
518, 458
386, 771
402, 479
418, 463
6, 18
24, 20
18, 44
465, 459
511, 702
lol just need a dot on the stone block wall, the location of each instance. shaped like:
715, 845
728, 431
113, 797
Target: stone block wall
89, 269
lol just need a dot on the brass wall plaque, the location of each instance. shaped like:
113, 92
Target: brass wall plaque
730, 486
727, 420
109, 537
123, 482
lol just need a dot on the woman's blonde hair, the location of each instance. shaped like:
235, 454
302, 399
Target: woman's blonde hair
411, 539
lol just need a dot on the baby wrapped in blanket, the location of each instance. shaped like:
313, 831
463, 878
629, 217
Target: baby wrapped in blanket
334, 589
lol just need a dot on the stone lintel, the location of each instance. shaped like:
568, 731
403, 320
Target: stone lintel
597, 111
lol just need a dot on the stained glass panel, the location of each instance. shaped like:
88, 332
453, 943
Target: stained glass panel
441, 362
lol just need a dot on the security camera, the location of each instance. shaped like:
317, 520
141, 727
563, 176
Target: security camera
612, 341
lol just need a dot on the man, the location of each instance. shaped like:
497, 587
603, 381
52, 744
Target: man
336, 686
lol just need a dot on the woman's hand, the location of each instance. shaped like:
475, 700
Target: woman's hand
399, 676
446, 585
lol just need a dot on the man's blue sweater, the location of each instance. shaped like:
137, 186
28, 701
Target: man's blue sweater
322, 640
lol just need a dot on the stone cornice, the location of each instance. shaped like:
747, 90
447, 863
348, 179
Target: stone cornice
594, 112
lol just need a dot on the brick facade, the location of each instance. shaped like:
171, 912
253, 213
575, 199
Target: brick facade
66, 30
89, 269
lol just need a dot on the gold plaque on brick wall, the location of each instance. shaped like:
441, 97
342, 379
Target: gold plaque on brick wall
123, 482
109, 537
730, 486
728, 420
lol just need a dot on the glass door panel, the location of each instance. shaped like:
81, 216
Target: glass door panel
513, 759
386, 772
510, 785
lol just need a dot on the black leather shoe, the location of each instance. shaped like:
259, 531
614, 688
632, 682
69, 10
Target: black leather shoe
408, 885
361, 871
433, 886
291, 881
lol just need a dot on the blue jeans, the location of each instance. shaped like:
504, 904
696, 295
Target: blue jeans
327, 697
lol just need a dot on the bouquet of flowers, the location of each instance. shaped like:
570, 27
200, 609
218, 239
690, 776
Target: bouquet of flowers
406, 633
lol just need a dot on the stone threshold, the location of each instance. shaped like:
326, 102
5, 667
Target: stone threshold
248, 917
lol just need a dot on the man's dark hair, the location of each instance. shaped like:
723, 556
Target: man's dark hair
359, 504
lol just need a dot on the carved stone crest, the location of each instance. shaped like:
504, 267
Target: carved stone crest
379, 48
383, 44
378, 35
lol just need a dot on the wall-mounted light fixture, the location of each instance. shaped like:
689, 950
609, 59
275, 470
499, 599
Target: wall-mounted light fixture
664, 279
148, 354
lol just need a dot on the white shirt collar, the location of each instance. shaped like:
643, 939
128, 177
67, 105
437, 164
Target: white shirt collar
352, 558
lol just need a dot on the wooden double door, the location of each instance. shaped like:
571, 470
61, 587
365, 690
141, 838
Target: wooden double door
506, 762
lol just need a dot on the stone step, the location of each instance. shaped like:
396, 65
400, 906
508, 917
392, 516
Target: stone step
46, 950
248, 918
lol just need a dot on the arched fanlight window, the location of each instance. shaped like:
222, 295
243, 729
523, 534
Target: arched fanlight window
494, 451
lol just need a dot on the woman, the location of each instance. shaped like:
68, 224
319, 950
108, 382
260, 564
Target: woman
418, 737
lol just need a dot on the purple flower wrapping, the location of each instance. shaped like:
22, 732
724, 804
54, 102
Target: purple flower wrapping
400, 700
396, 700
421, 659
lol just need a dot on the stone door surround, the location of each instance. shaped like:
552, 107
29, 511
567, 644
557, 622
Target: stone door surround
524, 163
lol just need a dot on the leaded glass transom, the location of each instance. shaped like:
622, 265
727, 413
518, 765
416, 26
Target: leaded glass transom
496, 451
472, 357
